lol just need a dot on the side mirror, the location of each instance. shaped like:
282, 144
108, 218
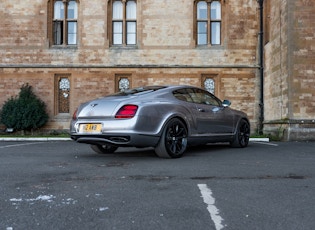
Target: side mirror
226, 103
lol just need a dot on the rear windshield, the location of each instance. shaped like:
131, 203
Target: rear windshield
138, 91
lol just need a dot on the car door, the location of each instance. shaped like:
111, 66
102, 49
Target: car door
211, 116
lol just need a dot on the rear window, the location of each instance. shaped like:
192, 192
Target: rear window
138, 91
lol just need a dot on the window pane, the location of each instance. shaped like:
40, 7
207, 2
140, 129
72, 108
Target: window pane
58, 10
202, 33
72, 33
131, 27
131, 33
216, 10
202, 10
131, 10
117, 10
202, 39
58, 33
202, 27
117, 27
131, 39
117, 33
215, 33
72, 10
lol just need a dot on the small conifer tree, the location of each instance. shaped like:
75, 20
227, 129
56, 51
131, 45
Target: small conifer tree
25, 112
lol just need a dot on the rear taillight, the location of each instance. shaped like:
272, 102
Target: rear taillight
74, 116
127, 111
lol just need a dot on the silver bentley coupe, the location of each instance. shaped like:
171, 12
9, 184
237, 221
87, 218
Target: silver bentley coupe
167, 118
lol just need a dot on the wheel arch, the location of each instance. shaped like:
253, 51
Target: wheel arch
178, 116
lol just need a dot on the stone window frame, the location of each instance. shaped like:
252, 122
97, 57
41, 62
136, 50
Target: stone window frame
60, 90
51, 21
209, 21
124, 22
119, 86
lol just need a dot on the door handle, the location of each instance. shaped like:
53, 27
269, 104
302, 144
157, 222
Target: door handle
201, 110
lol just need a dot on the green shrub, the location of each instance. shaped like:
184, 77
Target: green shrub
8, 111
25, 112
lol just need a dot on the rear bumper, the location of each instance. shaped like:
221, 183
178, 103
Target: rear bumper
123, 140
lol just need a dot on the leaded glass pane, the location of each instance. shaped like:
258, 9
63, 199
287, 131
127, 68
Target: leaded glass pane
123, 84
72, 10
131, 33
117, 10
202, 10
117, 35
215, 33
202, 33
215, 10
72, 33
131, 11
209, 85
59, 10
64, 84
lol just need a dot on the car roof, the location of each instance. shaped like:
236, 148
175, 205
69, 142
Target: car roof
150, 88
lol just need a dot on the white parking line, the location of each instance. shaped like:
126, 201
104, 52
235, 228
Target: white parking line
206, 194
265, 143
17, 145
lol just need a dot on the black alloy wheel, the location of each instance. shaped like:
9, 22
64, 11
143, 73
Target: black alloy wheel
242, 135
173, 142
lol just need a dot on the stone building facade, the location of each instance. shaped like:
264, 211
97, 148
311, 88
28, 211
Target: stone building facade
71, 51
289, 86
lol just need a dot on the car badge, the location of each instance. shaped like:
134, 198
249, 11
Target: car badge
93, 105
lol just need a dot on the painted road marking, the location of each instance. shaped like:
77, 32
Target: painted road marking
17, 145
206, 194
265, 143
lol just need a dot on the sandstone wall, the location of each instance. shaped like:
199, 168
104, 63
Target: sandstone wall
166, 52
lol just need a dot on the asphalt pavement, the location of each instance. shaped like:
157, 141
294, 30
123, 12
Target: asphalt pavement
57, 184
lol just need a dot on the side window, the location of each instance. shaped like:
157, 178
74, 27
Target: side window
211, 100
64, 22
203, 97
208, 22
123, 28
183, 95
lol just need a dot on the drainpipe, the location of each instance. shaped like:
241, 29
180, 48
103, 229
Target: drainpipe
261, 66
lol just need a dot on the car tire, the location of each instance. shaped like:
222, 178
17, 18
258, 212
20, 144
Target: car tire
173, 141
241, 137
104, 149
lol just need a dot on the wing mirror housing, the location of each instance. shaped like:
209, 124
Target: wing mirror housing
226, 103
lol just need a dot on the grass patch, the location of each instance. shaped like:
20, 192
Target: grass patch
35, 134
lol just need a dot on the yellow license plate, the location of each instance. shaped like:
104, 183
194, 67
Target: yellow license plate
90, 128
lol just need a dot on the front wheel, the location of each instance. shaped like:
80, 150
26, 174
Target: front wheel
241, 137
104, 149
173, 141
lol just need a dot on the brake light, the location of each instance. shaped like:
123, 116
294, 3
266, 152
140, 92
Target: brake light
127, 111
74, 116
